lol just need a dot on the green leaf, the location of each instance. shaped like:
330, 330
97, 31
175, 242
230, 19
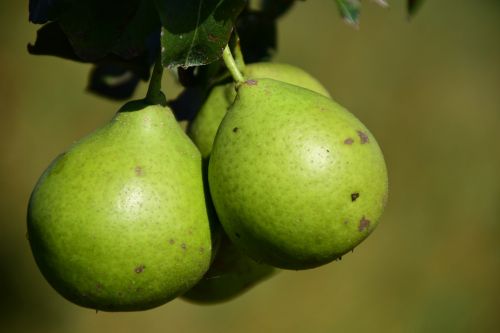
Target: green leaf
349, 10
413, 6
195, 32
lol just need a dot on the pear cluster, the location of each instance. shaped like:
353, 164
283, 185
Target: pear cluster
271, 174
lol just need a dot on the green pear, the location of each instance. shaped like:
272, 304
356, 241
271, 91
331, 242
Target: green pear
285, 73
297, 181
231, 274
204, 126
119, 222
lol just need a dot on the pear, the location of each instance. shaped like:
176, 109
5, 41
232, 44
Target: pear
297, 181
204, 126
119, 222
231, 274
285, 73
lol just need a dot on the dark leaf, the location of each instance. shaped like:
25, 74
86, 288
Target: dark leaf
93, 27
276, 8
113, 81
257, 32
143, 30
413, 6
122, 39
51, 40
116, 78
112, 77
42, 11
349, 10
195, 32
96, 28
187, 104
186, 76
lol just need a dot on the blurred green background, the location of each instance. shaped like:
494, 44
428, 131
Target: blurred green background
428, 89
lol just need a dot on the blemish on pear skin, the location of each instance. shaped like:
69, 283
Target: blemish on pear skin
98, 286
348, 141
138, 171
363, 224
237, 235
235, 130
251, 82
346, 222
202, 249
354, 196
171, 241
139, 269
183, 246
363, 137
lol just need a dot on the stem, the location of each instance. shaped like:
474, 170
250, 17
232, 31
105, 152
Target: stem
238, 56
231, 65
154, 94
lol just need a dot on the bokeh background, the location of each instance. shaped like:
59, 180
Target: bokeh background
429, 90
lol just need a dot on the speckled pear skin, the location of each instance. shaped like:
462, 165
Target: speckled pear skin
204, 126
297, 181
118, 222
285, 73
231, 274
202, 131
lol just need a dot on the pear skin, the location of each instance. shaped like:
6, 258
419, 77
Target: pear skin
204, 126
285, 73
231, 274
297, 181
118, 222
224, 279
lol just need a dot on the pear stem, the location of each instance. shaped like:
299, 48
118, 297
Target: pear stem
155, 95
231, 65
238, 56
